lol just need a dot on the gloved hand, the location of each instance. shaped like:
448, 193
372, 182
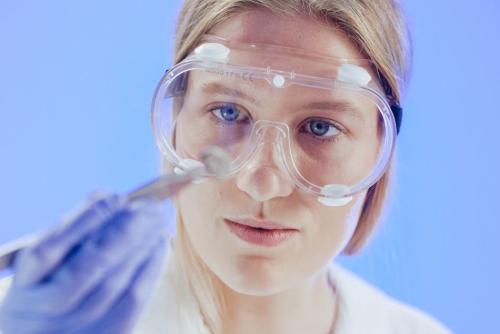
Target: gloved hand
93, 274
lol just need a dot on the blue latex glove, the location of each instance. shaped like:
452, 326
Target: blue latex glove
92, 274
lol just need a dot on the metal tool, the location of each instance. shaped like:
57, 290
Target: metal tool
215, 163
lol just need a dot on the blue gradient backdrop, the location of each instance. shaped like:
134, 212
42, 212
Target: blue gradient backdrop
76, 79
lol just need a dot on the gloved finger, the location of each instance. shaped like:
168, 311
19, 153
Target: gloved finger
34, 263
128, 306
96, 305
101, 301
129, 230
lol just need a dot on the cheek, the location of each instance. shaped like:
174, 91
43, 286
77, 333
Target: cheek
199, 205
329, 231
333, 227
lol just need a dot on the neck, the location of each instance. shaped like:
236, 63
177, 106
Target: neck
307, 308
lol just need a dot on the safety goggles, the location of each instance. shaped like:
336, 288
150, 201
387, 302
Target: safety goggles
325, 122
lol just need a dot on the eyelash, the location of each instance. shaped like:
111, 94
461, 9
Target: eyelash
218, 120
330, 139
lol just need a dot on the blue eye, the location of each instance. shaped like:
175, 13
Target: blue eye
228, 113
321, 128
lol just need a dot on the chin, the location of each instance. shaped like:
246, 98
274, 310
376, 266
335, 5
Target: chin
256, 279
255, 287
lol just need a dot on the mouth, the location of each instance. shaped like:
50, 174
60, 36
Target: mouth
267, 234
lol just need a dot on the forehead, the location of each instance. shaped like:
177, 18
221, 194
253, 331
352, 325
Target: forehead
303, 32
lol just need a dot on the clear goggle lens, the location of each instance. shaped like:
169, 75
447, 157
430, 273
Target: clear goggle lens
334, 141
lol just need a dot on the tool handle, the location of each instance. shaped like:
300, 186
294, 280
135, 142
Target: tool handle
159, 188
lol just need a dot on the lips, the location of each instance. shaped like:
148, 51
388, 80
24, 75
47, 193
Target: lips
268, 234
263, 224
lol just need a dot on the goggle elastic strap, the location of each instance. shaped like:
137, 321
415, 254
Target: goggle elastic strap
397, 111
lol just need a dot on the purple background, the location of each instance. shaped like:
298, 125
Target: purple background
76, 80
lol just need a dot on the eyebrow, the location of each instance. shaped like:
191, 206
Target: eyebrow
341, 106
217, 88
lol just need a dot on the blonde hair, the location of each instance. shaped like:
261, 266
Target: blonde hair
376, 27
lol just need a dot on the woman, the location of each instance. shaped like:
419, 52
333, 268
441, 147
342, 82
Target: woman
305, 97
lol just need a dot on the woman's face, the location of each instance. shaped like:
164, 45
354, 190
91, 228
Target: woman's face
262, 191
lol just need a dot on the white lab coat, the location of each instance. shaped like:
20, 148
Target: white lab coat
363, 309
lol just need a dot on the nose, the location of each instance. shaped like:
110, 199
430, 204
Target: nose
265, 176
